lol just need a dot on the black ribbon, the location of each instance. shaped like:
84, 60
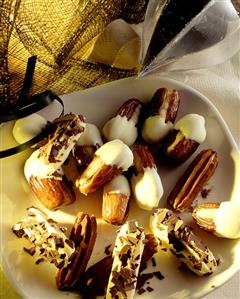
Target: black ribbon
27, 106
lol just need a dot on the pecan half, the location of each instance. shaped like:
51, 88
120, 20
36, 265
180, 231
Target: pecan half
123, 126
129, 107
193, 180
160, 115
83, 235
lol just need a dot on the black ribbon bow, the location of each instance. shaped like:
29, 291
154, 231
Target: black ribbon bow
28, 105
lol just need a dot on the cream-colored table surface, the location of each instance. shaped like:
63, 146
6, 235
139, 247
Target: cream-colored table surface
221, 84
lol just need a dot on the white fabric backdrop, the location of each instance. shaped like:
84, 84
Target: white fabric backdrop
220, 84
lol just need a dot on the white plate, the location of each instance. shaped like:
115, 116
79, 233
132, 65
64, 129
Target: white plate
98, 104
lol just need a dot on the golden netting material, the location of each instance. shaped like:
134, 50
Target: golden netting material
60, 33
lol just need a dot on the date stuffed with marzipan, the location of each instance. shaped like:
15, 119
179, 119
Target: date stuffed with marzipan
183, 140
193, 180
110, 160
123, 126
94, 281
43, 169
160, 115
180, 239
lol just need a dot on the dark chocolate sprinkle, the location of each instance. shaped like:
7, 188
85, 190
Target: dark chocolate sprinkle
30, 251
141, 291
58, 242
39, 261
19, 233
142, 279
149, 289
153, 262
107, 250
159, 275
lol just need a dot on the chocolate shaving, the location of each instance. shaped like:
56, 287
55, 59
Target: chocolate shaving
142, 279
107, 250
205, 192
58, 242
149, 289
39, 261
158, 275
141, 291
153, 262
30, 251
19, 233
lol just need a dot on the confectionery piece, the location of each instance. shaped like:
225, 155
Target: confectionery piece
220, 218
83, 234
28, 127
124, 125
95, 280
109, 160
193, 180
69, 255
127, 255
181, 241
116, 194
160, 115
145, 181
46, 236
89, 141
185, 137
43, 169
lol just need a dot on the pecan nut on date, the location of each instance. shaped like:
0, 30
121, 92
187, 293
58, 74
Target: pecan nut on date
160, 115
145, 180
123, 126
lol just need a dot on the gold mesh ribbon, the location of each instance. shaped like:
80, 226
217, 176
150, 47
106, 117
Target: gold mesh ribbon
60, 33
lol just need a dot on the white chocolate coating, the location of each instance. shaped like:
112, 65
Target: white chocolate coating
28, 127
121, 128
189, 254
36, 164
226, 219
42, 234
155, 128
192, 126
119, 184
37, 167
130, 237
90, 136
147, 188
117, 153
